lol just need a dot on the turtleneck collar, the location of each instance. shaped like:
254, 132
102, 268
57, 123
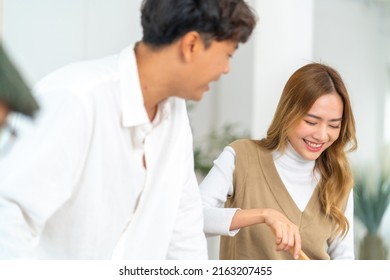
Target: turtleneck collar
292, 161
297, 174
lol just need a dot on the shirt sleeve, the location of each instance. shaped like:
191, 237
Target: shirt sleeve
343, 249
215, 189
188, 241
38, 175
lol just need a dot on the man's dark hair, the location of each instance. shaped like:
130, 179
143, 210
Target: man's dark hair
165, 21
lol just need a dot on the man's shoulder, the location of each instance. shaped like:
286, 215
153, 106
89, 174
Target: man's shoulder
79, 76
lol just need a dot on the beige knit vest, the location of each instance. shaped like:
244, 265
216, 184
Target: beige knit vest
257, 184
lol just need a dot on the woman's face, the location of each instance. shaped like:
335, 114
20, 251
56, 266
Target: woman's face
319, 128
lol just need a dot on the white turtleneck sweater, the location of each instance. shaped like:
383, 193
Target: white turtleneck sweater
299, 179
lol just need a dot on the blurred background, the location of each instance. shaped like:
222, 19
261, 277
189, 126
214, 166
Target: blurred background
352, 36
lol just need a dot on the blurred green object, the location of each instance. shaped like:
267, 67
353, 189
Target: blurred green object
205, 152
13, 89
371, 200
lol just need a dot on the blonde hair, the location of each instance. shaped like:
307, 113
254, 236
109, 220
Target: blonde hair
303, 88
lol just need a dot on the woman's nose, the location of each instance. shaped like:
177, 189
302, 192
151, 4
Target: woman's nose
321, 134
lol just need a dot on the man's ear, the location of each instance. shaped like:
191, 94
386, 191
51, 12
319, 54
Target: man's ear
190, 45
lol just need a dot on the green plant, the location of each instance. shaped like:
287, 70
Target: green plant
371, 199
14, 91
206, 151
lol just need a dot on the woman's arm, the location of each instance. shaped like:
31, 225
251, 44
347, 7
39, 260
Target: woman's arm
215, 189
286, 233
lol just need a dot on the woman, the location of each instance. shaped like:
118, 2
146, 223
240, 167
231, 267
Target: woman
294, 187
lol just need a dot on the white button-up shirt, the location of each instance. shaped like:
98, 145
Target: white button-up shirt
75, 179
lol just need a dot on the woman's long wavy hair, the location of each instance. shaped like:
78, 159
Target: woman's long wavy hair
303, 88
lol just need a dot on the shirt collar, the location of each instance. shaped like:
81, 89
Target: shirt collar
133, 108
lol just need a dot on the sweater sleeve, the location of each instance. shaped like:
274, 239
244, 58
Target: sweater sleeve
214, 189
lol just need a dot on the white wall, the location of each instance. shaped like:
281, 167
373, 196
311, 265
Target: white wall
42, 35
283, 43
1, 19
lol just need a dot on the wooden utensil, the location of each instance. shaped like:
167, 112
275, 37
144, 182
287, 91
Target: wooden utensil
301, 255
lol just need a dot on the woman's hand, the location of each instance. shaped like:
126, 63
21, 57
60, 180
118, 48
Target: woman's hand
286, 233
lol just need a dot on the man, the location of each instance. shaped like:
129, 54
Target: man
110, 161
15, 96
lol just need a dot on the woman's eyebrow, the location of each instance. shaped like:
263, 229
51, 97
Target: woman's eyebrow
319, 118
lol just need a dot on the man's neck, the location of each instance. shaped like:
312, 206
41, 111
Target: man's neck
151, 75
